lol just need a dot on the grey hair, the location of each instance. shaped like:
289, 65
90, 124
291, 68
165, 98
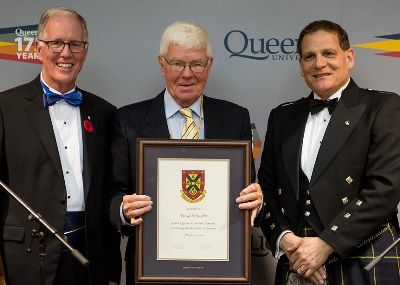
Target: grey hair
48, 14
186, 35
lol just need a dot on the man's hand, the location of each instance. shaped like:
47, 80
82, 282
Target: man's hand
134, 206
319, 276
251, 198
288, 243
309, 256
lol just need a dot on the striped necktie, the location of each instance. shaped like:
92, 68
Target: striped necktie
190, 131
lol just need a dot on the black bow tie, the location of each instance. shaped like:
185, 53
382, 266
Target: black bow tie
317, 106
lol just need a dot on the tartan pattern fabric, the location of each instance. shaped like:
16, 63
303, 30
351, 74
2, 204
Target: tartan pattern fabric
190, 131
350, 271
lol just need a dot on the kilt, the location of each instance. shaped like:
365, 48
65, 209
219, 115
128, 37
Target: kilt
350, 271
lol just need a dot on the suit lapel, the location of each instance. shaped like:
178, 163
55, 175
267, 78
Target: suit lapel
155, 119
343, 121
292, 134
41, 121
213, 120
88, 140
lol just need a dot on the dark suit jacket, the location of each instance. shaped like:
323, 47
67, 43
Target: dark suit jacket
31, 166
355, 185
222, 120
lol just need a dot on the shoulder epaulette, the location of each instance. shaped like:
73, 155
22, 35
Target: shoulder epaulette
289, 103
381, 91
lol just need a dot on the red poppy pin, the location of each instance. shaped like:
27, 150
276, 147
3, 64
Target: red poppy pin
88, 126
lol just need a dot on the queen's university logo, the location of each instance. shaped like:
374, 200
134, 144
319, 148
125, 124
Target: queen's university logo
193, 185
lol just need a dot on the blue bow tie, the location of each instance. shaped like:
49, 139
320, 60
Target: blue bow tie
50, 98
74, 98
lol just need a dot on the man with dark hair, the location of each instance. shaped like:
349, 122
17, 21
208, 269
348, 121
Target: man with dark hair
330, 171
54, 151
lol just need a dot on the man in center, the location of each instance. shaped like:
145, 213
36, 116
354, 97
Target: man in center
181, 111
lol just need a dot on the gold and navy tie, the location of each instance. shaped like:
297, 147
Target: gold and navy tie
190, 131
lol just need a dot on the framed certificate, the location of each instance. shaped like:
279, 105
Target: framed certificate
195, 232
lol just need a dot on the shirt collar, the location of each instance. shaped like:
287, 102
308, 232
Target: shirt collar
54, 90
337, 94
171, 107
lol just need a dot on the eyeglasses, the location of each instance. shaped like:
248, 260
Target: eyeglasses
58, 46
179, 65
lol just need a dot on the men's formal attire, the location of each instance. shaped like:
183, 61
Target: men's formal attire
35, 161
346, 192
148, 119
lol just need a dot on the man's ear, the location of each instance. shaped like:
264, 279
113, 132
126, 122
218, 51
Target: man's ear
161, 63
38, 48
301, 68
351, 56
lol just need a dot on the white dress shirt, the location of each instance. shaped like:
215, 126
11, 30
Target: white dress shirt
66, 121
314, 133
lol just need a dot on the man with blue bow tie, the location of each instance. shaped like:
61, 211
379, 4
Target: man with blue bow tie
54, 150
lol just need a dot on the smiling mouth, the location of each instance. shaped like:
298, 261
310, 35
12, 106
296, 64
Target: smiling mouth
65, 65
322, 75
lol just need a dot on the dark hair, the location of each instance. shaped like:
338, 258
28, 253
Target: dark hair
327, 26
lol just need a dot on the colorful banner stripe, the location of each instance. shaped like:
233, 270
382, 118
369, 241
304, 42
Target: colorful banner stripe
390, 46
18, 44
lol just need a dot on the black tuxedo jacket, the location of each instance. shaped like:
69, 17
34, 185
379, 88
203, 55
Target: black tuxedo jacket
355, 185
222, 120
31, 166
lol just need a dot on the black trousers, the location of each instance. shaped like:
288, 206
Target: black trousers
70, 271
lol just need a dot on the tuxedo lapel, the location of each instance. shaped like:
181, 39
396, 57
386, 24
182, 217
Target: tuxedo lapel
40, 118
88, 140
343, 121
156, 120
213, 120
292, 134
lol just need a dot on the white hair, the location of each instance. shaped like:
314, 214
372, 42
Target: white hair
186, 35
